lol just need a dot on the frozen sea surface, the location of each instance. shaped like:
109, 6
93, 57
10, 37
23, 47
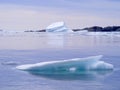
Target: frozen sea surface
29, 48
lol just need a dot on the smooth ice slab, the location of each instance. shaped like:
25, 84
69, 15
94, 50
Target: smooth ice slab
77, 66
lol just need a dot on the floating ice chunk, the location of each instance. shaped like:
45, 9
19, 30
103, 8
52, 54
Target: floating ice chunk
58, 27
9, 63
101, 65
76, 65
103, 33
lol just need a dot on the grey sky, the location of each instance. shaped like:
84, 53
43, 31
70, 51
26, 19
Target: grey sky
38, 14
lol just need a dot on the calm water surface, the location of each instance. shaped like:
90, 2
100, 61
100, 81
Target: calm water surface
29, 48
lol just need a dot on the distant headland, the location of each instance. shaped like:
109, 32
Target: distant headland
62, 27
90, 29
100, 29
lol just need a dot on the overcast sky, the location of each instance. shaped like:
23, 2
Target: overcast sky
38, 14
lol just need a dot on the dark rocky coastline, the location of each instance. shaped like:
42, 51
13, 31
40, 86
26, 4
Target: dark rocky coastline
90, 29
36, 30
100, 29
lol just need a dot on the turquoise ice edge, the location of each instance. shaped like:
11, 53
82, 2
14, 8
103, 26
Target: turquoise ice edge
71, 66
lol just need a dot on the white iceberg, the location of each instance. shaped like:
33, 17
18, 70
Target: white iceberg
58, 27
77, 66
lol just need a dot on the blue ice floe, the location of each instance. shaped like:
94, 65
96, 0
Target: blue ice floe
71, 66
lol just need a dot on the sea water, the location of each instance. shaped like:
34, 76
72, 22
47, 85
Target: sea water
30, 48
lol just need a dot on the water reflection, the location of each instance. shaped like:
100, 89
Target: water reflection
88, 75
55, 40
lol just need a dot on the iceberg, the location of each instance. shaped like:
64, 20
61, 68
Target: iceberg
67, 67
58, 27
